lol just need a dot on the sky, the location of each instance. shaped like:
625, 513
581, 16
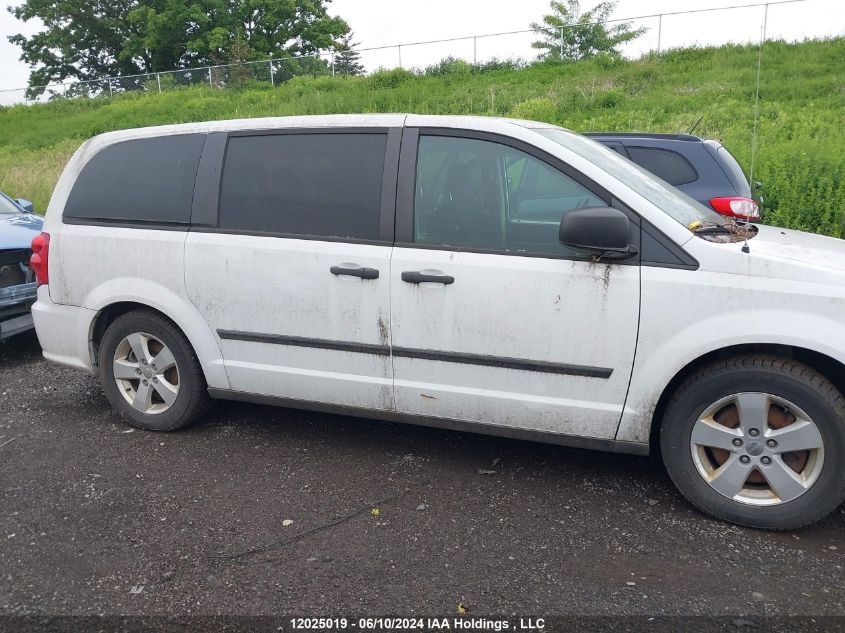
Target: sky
386, 22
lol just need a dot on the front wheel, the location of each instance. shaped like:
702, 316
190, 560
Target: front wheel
758, 441
150, 373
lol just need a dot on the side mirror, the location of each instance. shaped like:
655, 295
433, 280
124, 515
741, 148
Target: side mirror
603, 230
26, 205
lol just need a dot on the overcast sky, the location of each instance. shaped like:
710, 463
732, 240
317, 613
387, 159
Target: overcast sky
386, 22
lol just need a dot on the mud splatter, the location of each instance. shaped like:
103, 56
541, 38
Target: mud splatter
383, 333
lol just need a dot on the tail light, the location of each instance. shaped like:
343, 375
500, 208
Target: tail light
38, 261
737, 207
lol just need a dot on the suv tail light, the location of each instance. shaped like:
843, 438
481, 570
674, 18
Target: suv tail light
40, 253
737, 207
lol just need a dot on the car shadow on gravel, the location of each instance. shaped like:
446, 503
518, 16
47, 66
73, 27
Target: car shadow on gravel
258, 509
21, 348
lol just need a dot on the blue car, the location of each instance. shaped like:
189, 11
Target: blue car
18, 225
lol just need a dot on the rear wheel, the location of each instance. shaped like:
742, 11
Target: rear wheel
150, 373
759, 441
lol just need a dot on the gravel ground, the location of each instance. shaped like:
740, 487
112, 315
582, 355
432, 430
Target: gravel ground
259, 510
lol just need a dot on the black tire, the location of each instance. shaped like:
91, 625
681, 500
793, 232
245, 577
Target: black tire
797, 383
192, 399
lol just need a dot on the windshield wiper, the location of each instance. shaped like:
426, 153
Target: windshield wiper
714, 230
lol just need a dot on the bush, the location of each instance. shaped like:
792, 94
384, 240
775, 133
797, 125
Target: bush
801, 140
389, 78
448, 66
495, 64
608, 98
535, 110
606, 61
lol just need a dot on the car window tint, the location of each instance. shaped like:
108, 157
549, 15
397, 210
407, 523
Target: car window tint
480, 194
142, 180
323, 185
664, 163
734, 172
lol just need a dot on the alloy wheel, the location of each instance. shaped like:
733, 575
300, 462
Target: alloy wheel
757, 448
146, 373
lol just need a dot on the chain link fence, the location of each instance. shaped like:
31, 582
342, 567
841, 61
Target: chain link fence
739, 24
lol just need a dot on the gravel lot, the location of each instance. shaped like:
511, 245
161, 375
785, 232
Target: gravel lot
96, 518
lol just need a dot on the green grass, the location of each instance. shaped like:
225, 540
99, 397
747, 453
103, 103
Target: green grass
801, 142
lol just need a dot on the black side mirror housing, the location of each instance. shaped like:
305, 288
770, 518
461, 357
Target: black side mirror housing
603, 230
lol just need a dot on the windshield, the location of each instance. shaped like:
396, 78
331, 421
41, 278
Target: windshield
670, 200
7, 206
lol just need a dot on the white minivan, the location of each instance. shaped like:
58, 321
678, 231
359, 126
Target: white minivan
501, 276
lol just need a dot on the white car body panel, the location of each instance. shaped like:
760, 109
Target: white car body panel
97, 266
789, 289
735, 298
515, 307
64, 331
286, 288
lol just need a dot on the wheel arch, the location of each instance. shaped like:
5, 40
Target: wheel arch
206, 348
829, 367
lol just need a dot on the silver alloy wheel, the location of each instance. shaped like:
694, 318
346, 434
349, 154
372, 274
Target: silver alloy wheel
146, 373
757, 448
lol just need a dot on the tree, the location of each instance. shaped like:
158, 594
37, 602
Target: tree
346, 58
80, 40
89, 39
569, 34
239, 72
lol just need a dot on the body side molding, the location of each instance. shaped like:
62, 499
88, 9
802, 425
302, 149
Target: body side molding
422, 354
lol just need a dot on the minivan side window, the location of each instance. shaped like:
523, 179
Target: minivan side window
481, 194
143, 180
664, 163
318, 185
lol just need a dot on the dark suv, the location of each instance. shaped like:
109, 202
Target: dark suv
703, 169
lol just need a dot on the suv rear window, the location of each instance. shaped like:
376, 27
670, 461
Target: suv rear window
142, 180
320, 185
734, 171
664, 163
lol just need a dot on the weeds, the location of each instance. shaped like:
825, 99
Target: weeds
801, 144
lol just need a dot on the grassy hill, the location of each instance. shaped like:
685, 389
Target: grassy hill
801, 142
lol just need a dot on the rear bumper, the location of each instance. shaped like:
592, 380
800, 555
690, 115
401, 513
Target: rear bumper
16, 295
15, 325
14, 309
64, 332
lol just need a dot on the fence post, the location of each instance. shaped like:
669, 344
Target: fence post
111, 94
210, 84
475, 51
659, 31
765, 20
272, 78
561, 43
400, 56
332, 63
158, 78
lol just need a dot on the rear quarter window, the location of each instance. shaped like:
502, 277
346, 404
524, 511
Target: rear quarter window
147, 180
664, 163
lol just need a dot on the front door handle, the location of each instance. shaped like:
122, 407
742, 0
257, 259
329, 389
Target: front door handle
355, 271
418, 277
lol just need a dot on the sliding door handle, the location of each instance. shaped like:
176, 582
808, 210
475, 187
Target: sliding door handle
355, 271
418, 277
